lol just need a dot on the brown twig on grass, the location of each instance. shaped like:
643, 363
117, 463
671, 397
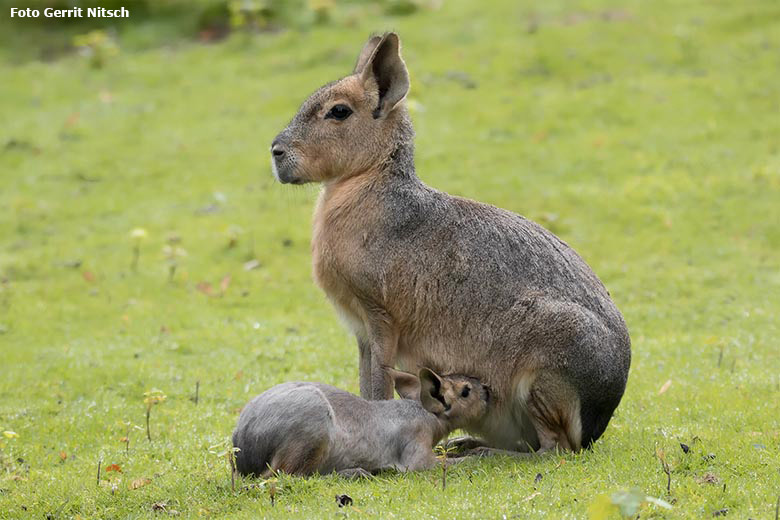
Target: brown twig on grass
665, 466
441, 454
272, 491
232, 457
151, 398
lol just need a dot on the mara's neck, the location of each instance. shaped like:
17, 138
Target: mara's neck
398, 167
442, 429
400, 162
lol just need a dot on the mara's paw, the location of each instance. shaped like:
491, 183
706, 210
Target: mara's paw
485, 451
480, 451
458, 446
354, 473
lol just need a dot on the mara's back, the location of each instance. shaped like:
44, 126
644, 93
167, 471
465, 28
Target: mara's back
464, 274
286, 424
306, 427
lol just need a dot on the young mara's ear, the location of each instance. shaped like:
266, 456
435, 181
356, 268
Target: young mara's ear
430, 391
407, 385
386, 72
366, 53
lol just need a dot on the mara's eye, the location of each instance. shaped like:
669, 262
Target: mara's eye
465, 392
339, 112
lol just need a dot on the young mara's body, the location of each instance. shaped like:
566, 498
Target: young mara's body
423, 278
305, 428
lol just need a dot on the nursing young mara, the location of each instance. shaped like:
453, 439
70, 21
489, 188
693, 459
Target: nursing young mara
425, 279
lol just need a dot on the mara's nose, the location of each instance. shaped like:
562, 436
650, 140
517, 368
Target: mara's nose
277, 150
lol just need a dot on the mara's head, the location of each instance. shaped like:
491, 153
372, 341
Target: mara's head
459, 400
350, 126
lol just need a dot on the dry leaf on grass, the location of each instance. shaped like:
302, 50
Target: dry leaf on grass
139, 482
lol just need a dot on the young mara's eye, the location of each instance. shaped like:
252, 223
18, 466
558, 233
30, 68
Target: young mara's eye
339, 112
465, 392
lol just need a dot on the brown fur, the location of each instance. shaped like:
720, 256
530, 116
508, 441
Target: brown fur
298, 458
425, 279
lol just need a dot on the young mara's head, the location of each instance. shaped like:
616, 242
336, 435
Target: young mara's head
459, 400
351, 126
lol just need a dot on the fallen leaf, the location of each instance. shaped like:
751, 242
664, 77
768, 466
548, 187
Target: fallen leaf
88, 276
658, 502
665, 387
531, 496
139, 482
63, 456
114, 467
204, 287
72, 120
252, 264
660, 454
708, 478
224, 283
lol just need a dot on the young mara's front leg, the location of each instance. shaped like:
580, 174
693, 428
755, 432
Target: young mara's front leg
417, 456
462, 444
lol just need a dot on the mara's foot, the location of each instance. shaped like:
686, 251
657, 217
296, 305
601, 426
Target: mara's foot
461, 445
354, 473
485, 451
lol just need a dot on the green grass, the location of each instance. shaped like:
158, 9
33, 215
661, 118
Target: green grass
644, 136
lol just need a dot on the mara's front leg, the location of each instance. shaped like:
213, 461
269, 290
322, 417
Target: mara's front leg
377, 354
364, 367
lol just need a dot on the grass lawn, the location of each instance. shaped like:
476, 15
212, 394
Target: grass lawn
646, 136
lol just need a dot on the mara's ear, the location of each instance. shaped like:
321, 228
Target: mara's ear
386, 72
366, 53
430, 391
407, 385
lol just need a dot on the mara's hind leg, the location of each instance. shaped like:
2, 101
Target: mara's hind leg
299, 458
553, 406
